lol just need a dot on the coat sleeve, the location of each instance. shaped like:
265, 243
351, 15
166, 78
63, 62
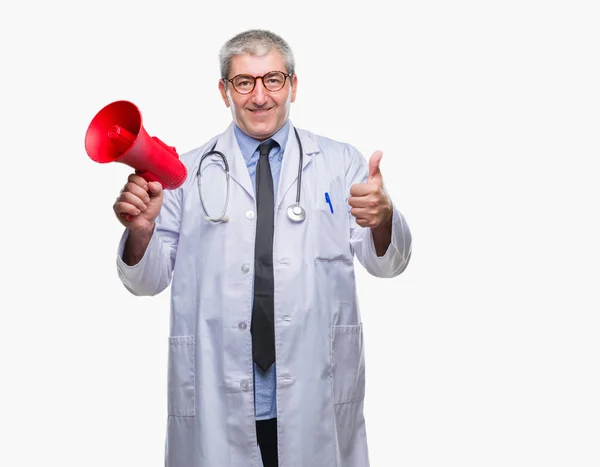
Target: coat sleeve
396, 258
153, 273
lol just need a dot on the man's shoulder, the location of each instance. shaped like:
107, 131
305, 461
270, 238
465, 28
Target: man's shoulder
188, 157
327, 144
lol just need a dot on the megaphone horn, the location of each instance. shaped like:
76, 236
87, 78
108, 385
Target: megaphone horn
116, 134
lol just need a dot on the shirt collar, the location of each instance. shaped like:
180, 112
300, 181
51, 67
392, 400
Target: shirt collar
249, 145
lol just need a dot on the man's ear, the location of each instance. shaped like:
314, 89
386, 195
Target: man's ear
223, 92
294, 87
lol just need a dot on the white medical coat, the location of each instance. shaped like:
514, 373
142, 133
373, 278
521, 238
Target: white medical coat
318, 329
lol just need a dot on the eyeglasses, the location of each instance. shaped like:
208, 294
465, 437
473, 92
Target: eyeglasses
272, 81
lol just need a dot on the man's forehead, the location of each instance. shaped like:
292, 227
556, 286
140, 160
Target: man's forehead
257, 64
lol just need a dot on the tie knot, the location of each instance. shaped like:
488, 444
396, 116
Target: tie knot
265, 148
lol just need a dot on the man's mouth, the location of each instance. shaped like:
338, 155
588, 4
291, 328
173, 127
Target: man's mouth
260, 111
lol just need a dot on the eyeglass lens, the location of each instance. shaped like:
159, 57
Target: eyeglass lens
273, 81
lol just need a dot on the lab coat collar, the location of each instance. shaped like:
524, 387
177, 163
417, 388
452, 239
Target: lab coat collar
238, 171
227, 144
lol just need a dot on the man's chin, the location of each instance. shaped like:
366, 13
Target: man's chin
261, 132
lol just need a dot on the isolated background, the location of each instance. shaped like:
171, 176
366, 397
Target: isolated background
484, 353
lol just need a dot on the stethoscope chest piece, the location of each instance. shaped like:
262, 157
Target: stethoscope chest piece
296, 213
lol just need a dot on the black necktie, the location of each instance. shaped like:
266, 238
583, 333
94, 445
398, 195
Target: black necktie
263, 328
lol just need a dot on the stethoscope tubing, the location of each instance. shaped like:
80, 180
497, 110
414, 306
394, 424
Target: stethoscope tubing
223, 217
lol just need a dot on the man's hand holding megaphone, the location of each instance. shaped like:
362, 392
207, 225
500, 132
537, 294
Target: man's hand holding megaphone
138, 204
137, 208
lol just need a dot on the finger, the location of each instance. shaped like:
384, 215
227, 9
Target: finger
361, 213
138, 180
370, 221
359, 201
365, 213
128, 197
136, 190
122, 209
372, 200
362, 222
362, 189
374, 162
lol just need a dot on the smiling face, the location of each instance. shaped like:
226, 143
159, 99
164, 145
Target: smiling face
261, 113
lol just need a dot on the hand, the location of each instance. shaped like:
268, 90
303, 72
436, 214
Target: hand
370, 204
139, 203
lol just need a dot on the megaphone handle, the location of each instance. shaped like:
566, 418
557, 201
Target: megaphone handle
127, 217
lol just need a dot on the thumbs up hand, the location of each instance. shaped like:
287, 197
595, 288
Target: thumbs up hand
370, 204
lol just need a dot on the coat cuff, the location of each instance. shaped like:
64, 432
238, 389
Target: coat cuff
397, 255
131, 275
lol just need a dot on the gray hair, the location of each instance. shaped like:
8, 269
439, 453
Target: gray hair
254, 42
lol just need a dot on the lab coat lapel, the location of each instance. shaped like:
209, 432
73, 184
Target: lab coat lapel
238, 171
289, 168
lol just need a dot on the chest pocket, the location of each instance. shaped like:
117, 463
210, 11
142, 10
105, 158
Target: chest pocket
331, 232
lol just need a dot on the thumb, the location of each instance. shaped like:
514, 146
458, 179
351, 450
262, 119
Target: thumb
154, 189
374, 162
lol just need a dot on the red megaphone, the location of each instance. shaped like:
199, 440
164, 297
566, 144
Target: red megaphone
116, 134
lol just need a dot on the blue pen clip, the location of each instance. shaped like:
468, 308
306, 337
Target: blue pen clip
328, 200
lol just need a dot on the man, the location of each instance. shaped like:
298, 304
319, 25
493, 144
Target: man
265, 356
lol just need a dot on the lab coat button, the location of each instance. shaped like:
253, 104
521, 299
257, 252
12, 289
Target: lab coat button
286, 318
242, 326
250, 215
245, 268
245, 385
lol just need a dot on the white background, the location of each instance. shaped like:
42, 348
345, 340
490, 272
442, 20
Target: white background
484, 353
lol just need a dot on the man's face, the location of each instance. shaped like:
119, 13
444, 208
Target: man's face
261, 113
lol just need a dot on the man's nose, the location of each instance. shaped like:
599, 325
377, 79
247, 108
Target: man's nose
259, 94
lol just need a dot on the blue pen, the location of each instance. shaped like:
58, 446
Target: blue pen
328, 200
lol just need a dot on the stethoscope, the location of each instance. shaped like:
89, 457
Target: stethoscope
295, 212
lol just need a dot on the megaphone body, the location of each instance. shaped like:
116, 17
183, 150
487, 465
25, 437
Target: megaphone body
116, 134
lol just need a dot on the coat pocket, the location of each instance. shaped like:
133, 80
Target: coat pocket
181, 376
331, 231
347, 364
